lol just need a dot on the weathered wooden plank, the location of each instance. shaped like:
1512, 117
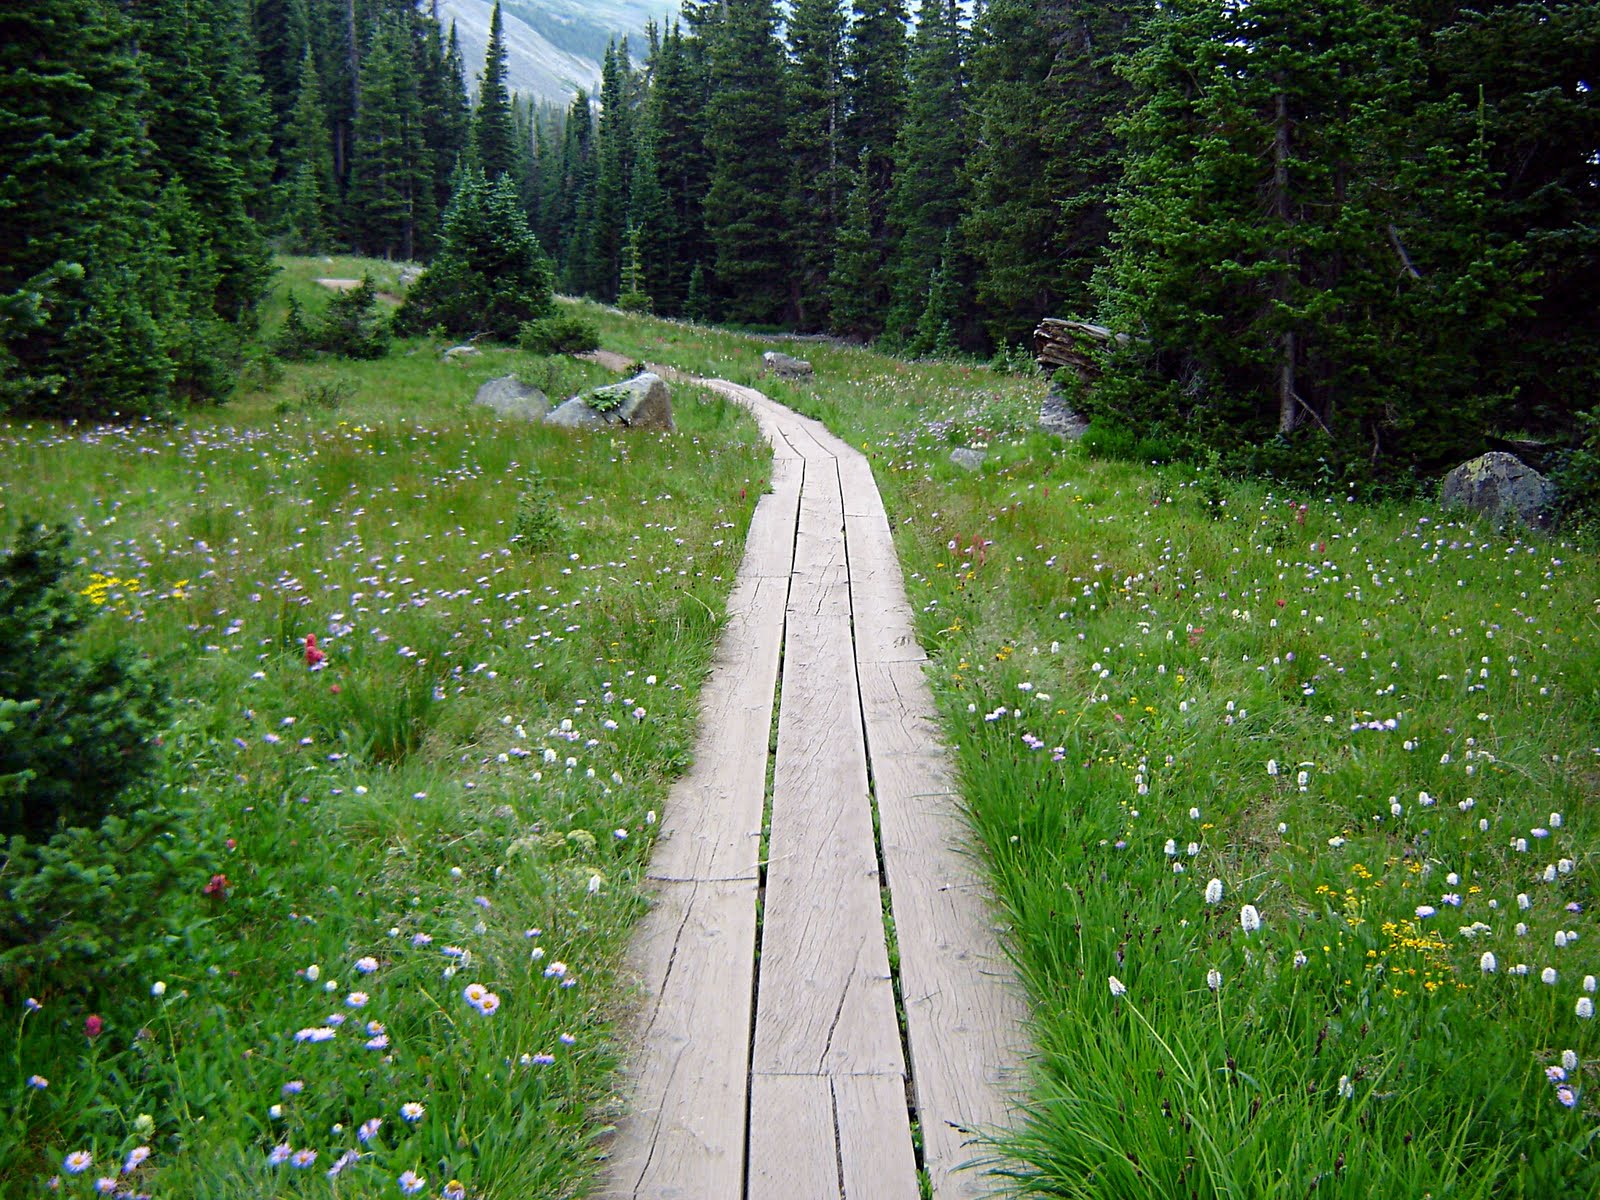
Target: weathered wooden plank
711, 827
794, 1152
876, 1157
964, 1014
884, 628
769, 546
861, 498
825, 1000
683, 1134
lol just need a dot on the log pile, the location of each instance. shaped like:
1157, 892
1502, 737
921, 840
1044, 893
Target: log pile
1077, 344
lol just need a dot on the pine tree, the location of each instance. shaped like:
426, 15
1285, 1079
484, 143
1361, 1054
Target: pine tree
856, 279
654, 231
814, 198
78, 336
926, 201
1301, 249
279, 30
391, 186
493, 131
744, 133
1046, 160
676, 117
490, 276
614, 153
446, 117
309, 184
580, 266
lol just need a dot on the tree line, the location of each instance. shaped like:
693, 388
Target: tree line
1362, 232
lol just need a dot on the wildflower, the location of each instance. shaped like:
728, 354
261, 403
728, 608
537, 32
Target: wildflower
135, 1156
566, 1039
454, 1191
411, 1183
275, 1112
367, 965
302, 1160
106, 1184
356, 999
1584, 1008
474, 993
315, 657
421, 939
1300, 958
412, 1112
1272, 766
489, 1004
555, 970
1347, 1090
77, 1162
594, 884
1214, 979
1548, 975
1588, 983
216, 888
543, 1059
294, 1087
38, 1081
1249, 918
158, 988
1118, 988
321, 1033
1487, 963
1424, 911
93, 1026
1556, 1074
279, 1154
1567, 1096
369, 1129
344, 1160
1569, 1060
378, 1041
313, 972
1214, 892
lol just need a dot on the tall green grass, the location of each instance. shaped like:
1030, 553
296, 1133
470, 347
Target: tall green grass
463, 792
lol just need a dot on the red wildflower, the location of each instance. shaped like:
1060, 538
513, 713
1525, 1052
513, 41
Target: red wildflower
92, 1025
217, 889
314, 656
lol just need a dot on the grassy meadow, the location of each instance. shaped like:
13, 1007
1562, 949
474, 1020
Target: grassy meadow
1287, 800
431, 839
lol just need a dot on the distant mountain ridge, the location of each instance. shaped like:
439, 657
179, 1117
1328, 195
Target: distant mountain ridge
553, 47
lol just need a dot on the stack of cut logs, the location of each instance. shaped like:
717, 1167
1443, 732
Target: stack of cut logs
1076, 344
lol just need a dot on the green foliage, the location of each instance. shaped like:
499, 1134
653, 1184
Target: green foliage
295, 339
814, 194
88, 733
489, 275
564, 333
352, 325
391, 183
537, 523
1577, 473
493, 130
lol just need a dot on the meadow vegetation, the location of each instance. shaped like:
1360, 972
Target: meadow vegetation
409, 776
1287, 799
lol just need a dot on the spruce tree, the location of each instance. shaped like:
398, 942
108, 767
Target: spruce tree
1046, 160
926, 201
78, 279
580, 268
744, 134
446, 117
677, 112
855, 282
391, 187
1299, 243
309, 184
489, 276
614, 153
814, 198
493, 131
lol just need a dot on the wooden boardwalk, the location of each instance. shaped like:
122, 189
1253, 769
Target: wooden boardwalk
770, 1059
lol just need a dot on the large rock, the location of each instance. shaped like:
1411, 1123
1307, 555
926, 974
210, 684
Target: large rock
1057, 416
1500, 485
510, 397
967, 458
784, 367
458, 354
642, 402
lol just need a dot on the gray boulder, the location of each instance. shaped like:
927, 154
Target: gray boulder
462, 353
643, 402
967, 458
784, 367
1057, 416
510, 397
1500, 485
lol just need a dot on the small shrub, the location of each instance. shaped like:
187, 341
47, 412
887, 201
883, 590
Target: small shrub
353, 327
1576, 473
295, 339
90, 733
560, 335
636, 302
536, 524
318, 396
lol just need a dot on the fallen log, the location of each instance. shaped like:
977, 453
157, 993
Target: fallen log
1060, 343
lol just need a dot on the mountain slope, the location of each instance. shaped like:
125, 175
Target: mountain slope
553, 47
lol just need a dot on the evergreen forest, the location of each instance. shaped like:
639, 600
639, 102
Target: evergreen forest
1359, 238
